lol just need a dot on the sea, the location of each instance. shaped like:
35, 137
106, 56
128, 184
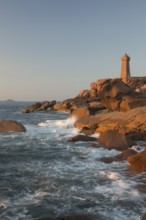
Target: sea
42, 174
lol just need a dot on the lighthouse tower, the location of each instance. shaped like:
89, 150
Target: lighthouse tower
125, 68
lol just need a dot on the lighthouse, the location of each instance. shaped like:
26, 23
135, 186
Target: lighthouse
125, 68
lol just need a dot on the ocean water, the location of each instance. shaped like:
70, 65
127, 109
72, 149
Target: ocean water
42, 174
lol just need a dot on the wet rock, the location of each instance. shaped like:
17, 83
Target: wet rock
144, 217
125, 154
38, 106
87, 131
78, 217
11, 126
82, 138
119, 157
112, 139
32, 107
138, 161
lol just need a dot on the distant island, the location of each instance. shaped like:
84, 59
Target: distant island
8, 100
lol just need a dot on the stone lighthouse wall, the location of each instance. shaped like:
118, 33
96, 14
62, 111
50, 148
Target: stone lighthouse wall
125, 68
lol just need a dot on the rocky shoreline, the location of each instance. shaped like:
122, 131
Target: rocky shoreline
112, 108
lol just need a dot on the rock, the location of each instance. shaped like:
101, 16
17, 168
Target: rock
138, 161
87, 131
112, 139
93, 93
119, 157
93, 85
84, 93
114, 88
136, 82
47, 105
82, 138
11, 126
111, 92
118, 96
95, 106
32, 107
125, 154
38, 106
133, 101
144, 217
100, 83
130, 122
78, 217
71, 104
80, 112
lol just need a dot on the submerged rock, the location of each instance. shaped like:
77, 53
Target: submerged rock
82, 138
11, 126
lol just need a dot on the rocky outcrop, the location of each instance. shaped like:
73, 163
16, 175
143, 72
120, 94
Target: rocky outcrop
118, 96
38, 106
131, 122
76, 217
91, 104
84, 94
138, 161
82, 138
11, 126
112, 139
136, 82
80, 112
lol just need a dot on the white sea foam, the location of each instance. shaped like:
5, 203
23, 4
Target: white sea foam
60, 127
113, 176
69, 122
3, 204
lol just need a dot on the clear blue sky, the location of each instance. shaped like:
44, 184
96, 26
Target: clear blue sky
52, 49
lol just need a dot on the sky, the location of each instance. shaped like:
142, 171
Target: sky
52, 49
